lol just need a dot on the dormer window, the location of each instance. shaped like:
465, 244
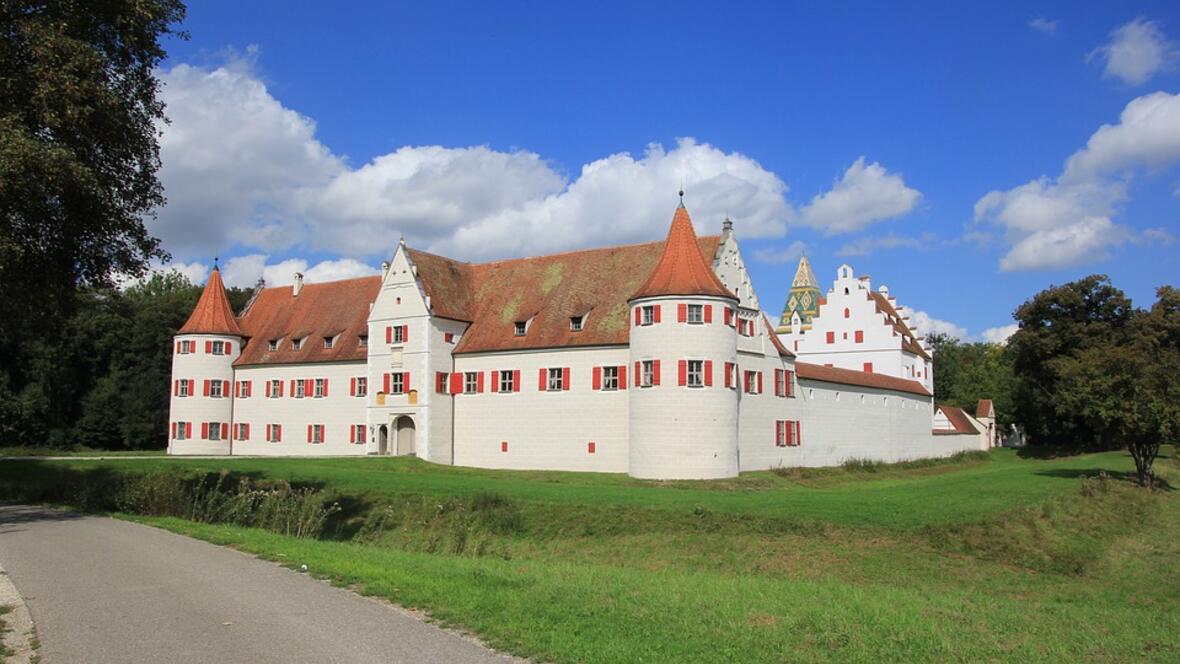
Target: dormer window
576, 323
363, 341
296, 344
329, 342
521, 327
272, 345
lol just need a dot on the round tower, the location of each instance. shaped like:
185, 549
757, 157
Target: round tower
200, 419
683, 417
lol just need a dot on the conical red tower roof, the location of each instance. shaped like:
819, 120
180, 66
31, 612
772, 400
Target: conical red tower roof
212, 315
682, 269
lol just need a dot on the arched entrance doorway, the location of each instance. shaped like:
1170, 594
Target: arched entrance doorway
405, 435
382, 440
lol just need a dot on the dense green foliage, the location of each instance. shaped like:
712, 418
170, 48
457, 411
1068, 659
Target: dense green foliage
1001, 558
79, 157
103, 382
965, 372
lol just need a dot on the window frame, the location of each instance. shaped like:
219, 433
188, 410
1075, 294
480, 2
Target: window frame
275, 432
647, 373
317, 388
317, 434
554, 379
297, 344
276, 387
182, 388
273, 344
520, 328
695, 314
213, 429
577, 323
329, 343
362, 386
398, 335
360, 434
397, 382
218, 348
300, 389
698, 372
505, 380
215, 391
470, 382
610, 378
186, 347
181, 430
362, 341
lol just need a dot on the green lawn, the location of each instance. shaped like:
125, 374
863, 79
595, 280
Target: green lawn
997, 559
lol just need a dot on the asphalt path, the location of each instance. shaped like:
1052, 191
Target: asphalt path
104, 590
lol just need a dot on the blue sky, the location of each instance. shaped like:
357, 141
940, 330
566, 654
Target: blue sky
312, 137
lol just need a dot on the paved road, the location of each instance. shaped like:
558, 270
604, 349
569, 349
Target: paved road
102, 590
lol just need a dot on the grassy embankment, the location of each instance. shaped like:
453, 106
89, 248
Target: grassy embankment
1000, 558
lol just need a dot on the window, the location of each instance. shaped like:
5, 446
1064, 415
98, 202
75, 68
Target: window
182, 430
296, 344
360, 386
576, 323
868, 367
753, 382
647, 315
272, 345
787, 433
299, 390
859, 336
397, 382
363, 341
321, 388
315, 434
356, 435
276, 389
555, 380
696, 313
471, 382
216, 389
182, 388
449, 337
847, 313
398, 336
213, 429
274, 433
243, 389
831, 337
648, 373
184, 348
782, 382
219, 348
329, 342
521, 327
610, 378
696, 373
241, 431
506, 381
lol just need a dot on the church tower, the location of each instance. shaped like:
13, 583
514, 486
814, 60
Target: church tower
803, 299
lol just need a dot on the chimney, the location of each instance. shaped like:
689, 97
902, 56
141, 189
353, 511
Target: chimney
883, 289
384, 269
298, 285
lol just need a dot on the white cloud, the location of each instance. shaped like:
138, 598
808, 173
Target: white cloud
195, 272
1161, 236
1042, 24
1135, 52
1053, 223
779, 255
241, 171
864, 195
867, 245
244, 271
999, 335
923, 324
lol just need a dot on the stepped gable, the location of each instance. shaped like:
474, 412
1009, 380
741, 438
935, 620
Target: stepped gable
909, 339
333, 309
860, 378
212, 315
958, 419
547, 291
682, 269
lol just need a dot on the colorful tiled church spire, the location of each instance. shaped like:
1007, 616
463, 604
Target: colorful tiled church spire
803, 298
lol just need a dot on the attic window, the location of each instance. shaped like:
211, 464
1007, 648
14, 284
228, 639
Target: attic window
576, 323
363, 341
296, 344
521, 327
329, 342
272, 345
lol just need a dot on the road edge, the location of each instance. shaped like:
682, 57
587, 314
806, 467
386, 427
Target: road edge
19, 632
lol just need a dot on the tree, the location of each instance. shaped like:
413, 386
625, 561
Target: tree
964, 373
78, 155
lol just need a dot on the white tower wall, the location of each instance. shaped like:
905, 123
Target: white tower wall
195, 409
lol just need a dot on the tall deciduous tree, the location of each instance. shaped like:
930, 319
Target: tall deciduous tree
78, 155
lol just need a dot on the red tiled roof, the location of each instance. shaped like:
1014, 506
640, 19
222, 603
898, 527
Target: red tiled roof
337, 309
958, 420
985, 408
909, 339
212, 315
448, 283
682, 269
861, 378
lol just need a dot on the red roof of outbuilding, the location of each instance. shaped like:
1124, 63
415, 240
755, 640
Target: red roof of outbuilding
212, 315
985, 408
958, 419
861, 378
682, 269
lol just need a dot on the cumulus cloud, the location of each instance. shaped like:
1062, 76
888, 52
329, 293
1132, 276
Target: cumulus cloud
244, 271
780, 255
1069, 220
864, 195
1042, 24
1160, 236
242, 171
924, 325
868, 245
1135, 52
999, 335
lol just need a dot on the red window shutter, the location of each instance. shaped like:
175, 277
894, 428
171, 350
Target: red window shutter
208, 347
681, 312
590, 447
175, 388
682, 372
229, 348
708, 373
638, 319
279, 432
515, 380
503, 446
597, 382
292, 387
708, 313
174, 429
655, 372
798, 432
352, 434
759, 382
623, 377
178, 348
280, 388
637, 369
309, 386
831, 337
352, 387
778, 432
868, 367
268, 432
860, 336
325, 387
224, 430
456, 383
479, 382
846, 312
542, 379
206, 386
225, 388
204, 430
728, 316
309, 433
388, 334
405, 334
385, 380
790, 383
494, 379
656, 317
565, 378
247, 427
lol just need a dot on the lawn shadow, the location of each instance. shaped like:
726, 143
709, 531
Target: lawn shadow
1117, 475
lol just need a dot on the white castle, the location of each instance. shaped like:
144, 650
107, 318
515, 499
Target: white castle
647, 359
